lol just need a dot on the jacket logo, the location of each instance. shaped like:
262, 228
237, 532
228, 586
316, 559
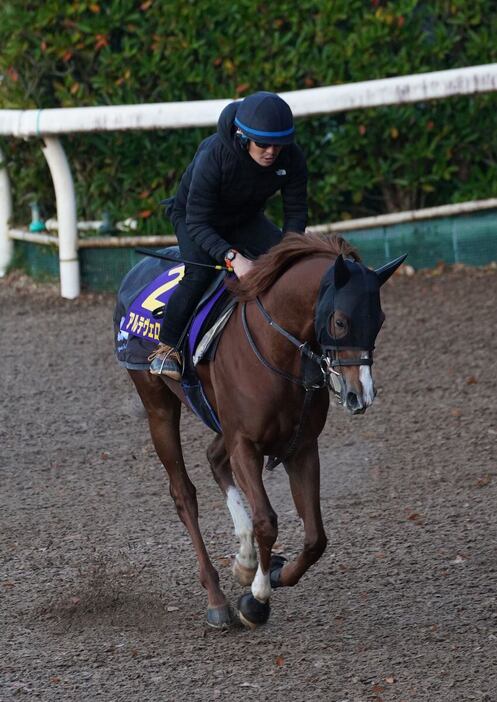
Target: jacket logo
281, 172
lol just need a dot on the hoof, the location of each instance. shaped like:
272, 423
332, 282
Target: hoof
243, 574
275, 567
219, 617
252, 613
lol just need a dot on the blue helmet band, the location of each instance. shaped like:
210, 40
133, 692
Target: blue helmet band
258, 133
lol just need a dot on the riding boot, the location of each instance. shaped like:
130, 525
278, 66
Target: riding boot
166, 360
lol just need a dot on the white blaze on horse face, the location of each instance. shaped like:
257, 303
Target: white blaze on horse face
366, 378
247, 555
261, 586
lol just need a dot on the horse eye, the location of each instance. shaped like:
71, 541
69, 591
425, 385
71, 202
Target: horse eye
339, 326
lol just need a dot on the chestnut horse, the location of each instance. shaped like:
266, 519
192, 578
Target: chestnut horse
306, 321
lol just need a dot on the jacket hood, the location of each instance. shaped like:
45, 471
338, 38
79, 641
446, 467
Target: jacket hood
226, 128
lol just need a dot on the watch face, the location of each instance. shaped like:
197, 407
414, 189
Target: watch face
230, 256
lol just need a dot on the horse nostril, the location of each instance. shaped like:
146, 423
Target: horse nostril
352, 401
355, 404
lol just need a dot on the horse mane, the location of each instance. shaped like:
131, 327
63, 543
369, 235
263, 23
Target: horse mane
293, 247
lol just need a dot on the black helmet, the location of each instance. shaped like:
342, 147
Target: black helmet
265, 118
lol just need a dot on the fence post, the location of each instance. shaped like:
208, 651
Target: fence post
66, 216
6, 243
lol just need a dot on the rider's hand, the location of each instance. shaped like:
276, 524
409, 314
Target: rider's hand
241, 265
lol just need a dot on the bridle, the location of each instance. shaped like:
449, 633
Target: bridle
329, 377
328, 361
302, 347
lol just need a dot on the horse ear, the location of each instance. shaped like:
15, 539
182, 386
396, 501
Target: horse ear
341, 272
386, 271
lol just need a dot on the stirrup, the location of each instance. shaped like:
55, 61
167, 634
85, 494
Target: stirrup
170, 365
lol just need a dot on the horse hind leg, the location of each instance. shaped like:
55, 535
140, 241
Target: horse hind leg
245, 563
303, 471
163, 409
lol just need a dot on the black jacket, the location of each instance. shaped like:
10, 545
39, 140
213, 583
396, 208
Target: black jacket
223, 186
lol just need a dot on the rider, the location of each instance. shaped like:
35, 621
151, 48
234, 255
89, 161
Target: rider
218, 211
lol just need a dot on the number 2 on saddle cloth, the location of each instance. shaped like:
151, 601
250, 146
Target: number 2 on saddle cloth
142, 298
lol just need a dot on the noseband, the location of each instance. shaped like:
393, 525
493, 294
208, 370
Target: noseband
335, 378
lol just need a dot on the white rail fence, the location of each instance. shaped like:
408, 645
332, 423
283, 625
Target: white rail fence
51, 123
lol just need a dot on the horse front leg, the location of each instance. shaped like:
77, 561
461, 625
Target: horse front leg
163, 409
245, 563
247, 464
304, 474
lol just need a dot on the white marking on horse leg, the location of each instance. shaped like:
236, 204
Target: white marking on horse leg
261, 586
247, 555
366, 378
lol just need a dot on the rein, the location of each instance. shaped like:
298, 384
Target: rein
310, 388
302, 347
326, 364
331, 378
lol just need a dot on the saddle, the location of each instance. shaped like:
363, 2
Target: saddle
141, 301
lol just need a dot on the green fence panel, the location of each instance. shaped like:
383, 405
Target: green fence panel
103, 269
469, 239
41, 262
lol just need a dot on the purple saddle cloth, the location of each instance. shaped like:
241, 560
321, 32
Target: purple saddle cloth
144, 290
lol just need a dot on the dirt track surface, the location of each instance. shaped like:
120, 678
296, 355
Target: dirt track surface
98, 585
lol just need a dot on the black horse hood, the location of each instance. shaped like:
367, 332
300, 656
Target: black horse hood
353, 290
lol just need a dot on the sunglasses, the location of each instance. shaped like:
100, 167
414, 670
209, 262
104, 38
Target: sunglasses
267, 146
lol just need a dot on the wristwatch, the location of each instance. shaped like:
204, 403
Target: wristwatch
229, 257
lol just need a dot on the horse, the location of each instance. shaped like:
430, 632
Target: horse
305, 322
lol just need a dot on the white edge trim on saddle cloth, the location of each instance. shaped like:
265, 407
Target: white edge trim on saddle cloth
211, 334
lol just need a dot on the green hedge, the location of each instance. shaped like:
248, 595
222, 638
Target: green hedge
361, 163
